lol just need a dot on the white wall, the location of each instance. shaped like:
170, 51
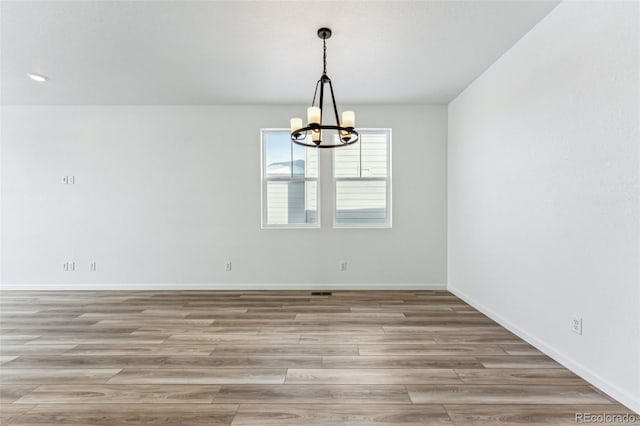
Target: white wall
543, 191
165, 195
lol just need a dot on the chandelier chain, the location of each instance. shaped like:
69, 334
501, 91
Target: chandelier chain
324, 56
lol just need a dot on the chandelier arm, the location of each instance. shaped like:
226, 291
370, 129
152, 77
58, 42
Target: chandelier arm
315, 93
335, 108
321, 103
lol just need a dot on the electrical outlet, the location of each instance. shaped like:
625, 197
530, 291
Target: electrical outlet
228, 266
92, 266
576, 325
343, 266
69, 180
69, 266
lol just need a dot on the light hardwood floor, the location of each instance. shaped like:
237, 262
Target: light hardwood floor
274, 358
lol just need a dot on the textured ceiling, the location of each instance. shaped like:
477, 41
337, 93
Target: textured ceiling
252, 52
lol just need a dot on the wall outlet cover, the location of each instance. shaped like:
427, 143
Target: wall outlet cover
576, 325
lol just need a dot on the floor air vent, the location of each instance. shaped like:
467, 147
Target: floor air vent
321, 293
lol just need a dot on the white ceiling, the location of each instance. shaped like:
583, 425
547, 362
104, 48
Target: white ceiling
252, 52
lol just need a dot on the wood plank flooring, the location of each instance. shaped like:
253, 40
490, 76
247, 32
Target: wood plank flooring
274, 358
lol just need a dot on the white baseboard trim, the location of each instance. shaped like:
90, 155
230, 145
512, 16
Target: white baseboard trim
220, 286
614, 391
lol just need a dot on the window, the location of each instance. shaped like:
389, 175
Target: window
289, 182
362, 181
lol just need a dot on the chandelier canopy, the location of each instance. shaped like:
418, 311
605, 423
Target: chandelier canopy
316, 134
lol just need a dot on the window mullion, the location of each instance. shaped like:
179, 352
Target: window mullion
356, 179
360, 159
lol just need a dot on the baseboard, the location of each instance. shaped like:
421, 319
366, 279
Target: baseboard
610, 389
220, 286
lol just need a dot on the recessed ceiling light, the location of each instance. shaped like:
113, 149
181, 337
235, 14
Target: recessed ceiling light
37, 77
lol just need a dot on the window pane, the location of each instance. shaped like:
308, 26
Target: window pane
361, 202
347, 161
305, 161
291, 203
367, 158
284, 158
277, 154
374, 155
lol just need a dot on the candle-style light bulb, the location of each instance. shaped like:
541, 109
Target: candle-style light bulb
296, 124
317, 135
349, 119
313, 115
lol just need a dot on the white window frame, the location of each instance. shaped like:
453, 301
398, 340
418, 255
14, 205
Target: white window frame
389, 223
266, 179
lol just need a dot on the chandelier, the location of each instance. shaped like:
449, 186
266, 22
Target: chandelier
318, 135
